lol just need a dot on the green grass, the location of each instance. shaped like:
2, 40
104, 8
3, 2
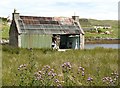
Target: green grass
0, 66
98, 63
113, 23
114, 34
91, 22
5, 31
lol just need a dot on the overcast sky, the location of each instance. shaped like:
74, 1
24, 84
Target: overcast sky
96, 9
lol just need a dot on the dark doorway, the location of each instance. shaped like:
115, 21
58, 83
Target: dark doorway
69, 41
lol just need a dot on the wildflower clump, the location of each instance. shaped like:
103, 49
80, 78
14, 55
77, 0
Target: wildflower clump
22, 67
66, 67
81, 70
68, 76
111, 80
46, 76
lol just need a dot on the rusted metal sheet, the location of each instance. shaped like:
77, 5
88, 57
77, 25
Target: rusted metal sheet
47, 20
64, 20
49, 25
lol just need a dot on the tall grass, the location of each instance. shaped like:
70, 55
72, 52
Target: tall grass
98, 63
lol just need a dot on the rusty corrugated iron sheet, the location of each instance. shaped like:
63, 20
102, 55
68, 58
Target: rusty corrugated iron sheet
36, 18
64, 20
49, 25
47, 20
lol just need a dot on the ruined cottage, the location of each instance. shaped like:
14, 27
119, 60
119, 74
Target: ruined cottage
46, 32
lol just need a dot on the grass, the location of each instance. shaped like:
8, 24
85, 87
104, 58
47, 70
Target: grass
92, 22
5, 31
0, 66
113, 23
98, 63
114, 34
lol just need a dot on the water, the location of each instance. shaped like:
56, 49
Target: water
91, 46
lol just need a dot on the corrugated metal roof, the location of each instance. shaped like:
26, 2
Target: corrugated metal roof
49, 25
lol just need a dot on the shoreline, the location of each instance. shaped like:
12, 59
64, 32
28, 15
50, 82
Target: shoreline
102, 41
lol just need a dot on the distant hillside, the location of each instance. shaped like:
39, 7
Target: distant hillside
87, 25
5, 27
113, 23
3, 19
85, 22
90, 22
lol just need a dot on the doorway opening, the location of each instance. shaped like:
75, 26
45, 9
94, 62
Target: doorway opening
69, 41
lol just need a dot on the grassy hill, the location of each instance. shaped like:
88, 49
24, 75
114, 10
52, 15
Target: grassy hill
5, 31
89, 23
5, 28
113, 23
